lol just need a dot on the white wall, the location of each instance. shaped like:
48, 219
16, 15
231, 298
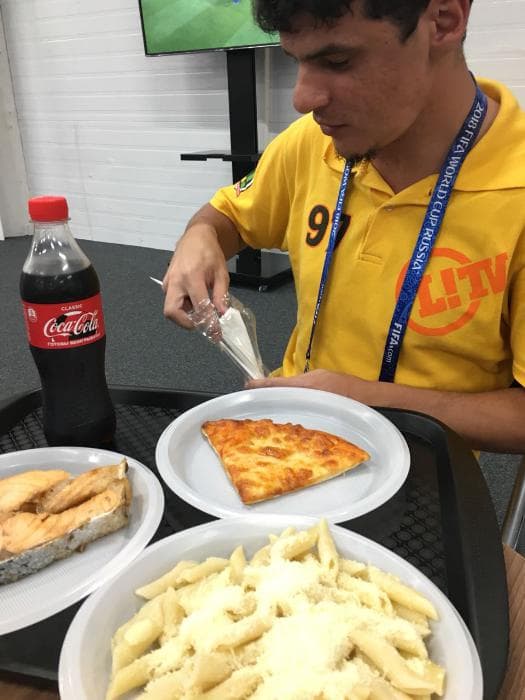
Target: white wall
495, 45
105, 125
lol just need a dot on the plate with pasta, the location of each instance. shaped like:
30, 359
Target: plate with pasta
264, 607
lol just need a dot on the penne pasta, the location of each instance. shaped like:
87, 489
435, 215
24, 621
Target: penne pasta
296, 620
354, 568
291, 546
132, 676
382, 690
173, 614
388, 660
211, 669
152, 610
161, 584
261, 556
402, 594
419, 620
328, 555
137, 640
242, 632
167, 687
201, 571
367, 593
361, 692
237, 564
238, 686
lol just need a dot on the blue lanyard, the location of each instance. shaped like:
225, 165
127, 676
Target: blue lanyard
429, 230
427, 236
329, 252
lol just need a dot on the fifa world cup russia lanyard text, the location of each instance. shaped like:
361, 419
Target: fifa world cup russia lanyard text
427, 236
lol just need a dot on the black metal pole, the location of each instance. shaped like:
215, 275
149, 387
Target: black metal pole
242, 99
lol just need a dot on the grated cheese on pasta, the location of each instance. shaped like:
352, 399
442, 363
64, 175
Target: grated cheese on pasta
279, 629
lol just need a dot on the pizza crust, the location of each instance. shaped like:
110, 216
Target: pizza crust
264, 459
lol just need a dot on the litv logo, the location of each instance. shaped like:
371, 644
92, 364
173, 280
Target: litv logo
460, 286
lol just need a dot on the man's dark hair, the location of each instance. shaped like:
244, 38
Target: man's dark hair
277, 15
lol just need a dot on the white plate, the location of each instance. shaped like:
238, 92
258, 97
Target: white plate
191, 469
65, 582
85, 660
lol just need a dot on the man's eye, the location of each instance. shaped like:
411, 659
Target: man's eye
337, 64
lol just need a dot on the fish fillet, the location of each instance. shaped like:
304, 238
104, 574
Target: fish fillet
17, 490
67, 494
31, 541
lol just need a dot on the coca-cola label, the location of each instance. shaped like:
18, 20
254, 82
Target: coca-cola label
65, 325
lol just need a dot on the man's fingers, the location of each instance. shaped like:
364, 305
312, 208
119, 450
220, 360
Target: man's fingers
178, 302
266, 382
187, 287
174, 309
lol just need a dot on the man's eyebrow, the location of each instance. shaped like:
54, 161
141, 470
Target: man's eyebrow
328, 50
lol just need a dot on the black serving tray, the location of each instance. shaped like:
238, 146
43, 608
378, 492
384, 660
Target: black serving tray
441, 520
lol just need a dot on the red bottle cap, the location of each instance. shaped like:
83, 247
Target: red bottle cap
48, 209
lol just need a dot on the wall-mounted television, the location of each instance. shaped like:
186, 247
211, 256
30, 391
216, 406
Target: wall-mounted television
184, 26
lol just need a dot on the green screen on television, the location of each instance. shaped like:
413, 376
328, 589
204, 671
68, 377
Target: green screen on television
179, 26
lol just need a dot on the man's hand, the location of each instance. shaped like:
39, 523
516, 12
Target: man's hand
358, 389
489, 420
198, 269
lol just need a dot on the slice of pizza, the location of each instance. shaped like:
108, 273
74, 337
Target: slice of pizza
264, 459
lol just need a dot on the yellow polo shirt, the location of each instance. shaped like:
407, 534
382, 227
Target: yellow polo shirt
467, 327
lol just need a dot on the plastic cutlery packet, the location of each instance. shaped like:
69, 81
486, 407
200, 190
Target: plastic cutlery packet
234, 332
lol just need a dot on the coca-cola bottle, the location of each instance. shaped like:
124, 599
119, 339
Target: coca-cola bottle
65, 326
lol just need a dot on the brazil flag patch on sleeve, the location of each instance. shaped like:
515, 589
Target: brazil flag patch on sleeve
244, 183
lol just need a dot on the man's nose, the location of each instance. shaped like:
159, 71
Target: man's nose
310, 93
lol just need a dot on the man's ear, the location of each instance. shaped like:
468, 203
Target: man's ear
448, 21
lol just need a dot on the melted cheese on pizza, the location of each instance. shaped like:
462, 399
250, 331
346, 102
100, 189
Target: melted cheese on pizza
264, 459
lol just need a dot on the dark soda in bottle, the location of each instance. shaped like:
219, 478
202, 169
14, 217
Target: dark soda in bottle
60, 294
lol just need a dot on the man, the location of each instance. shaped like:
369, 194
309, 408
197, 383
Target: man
422, 304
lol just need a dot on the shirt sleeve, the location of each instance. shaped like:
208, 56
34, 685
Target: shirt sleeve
259, 204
